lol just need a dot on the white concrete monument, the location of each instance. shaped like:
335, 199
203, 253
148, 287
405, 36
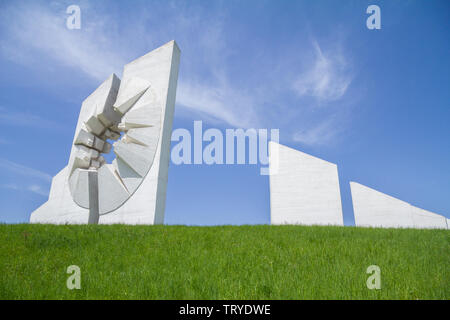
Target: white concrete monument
303, 189
137, 114
375, 209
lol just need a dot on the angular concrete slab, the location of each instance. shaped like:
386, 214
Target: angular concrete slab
109, 134
373, 208
95, 126
303, 189
85, 138
82, 156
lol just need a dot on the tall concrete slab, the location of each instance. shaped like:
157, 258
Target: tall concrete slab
303, 189
373, 208
137, 111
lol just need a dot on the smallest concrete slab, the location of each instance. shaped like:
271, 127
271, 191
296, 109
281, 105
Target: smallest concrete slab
373, 208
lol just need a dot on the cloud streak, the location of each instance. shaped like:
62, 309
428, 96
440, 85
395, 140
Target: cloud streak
318, 135
26, 173
24, 170
323, 86
94, 51
34, 188
327, 79
38, 190
43, 30
208, 88
218, 103
26, 119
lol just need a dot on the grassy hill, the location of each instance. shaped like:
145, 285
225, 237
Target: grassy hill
225, 262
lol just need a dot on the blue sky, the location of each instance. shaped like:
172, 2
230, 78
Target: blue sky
375, 102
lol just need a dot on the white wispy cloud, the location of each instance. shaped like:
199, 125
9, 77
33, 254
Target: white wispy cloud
94, 50
42, 29
26, 119
323, 85
319, 134
10, 186
218, 103
38, 189
29, 179
25, 171
206, 88
327, 78
34, 188
215, 96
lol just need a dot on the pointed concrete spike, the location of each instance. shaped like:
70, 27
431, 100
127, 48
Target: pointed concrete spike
127, 125
148, 137
130, 91
144, 116
139, 158
104, 106
120, 178
130, 178
129, 139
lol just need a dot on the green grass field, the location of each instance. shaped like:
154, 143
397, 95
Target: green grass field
225, 262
